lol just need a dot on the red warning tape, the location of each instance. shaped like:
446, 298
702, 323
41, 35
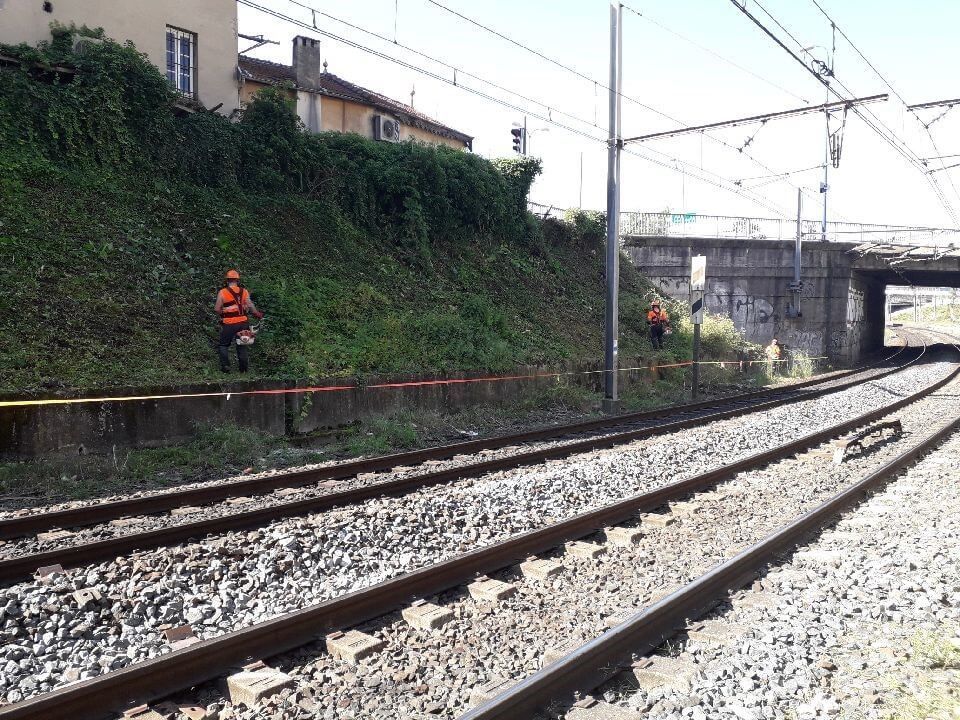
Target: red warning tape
341, 388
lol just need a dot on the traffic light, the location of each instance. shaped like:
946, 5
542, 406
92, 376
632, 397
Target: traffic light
517, 139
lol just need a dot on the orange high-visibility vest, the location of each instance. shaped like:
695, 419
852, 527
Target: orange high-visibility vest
655, 317
233, 306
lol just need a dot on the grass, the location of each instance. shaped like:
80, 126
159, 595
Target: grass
935, 693
942, 315
223, 451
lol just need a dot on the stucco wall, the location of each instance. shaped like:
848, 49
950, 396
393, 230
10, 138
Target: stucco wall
334, 114
144, 22
346, 116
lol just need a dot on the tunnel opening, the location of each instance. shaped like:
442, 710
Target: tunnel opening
915, 313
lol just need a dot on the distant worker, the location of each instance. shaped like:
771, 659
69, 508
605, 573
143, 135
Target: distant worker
659, 322
232, 305
774, 352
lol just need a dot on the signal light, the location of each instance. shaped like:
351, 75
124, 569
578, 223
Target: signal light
517, 139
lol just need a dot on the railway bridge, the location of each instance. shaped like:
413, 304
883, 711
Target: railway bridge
838, 309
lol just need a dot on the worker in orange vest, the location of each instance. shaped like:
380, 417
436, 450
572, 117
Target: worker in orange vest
232, 305
659, 322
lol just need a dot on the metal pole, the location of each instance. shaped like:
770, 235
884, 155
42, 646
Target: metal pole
799, 243
524, 134
826, 166
611, 318
695, 368
916, 310
580, 201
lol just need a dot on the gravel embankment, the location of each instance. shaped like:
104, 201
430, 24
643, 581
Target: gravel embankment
858, 639
243, 578
28, 545
423, 674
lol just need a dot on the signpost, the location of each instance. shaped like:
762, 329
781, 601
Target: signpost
698, 280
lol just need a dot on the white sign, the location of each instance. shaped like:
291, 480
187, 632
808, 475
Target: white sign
698, 272
696, 306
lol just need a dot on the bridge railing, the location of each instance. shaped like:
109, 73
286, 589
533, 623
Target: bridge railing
754, 228
665, 224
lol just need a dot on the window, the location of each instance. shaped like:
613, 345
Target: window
182, 60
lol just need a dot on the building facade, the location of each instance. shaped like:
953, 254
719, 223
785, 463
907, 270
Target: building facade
194, 43
327, 102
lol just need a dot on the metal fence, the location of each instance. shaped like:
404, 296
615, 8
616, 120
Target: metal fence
753, 228
662, 224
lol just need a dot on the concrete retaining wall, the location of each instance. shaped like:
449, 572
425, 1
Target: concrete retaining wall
748, 281
100, 427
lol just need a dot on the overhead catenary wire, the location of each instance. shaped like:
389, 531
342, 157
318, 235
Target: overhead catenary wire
892, 139
568, 68
714, 53
912, 108
667, 164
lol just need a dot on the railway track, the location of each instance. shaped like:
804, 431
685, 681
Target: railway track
28, 522
70, 553
207, 659
608, 656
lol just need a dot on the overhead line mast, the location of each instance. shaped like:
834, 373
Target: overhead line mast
893, 140
826, 107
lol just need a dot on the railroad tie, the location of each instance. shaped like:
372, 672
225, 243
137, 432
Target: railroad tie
716, 632
592, 709
658, 671
489, 590
488, 690
54, 535
558, 652
623, 535
540, 569
426, 616
353, 646
657, 520
256, 682
584, 550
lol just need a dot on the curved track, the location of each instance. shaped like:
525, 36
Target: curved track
207, 659
621, 430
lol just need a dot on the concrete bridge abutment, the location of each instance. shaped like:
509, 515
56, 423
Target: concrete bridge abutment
842, 315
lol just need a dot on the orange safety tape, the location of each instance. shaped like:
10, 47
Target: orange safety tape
340, 388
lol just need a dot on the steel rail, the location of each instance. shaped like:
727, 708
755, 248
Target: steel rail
152, 504
22, 566
601, 659
159, 677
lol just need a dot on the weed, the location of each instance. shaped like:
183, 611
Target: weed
937, 649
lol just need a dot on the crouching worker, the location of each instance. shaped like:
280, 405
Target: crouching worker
659, 322
232, 305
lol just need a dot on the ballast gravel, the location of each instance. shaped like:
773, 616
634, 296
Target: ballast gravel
860, 637
420, 674
239, 503
238, 579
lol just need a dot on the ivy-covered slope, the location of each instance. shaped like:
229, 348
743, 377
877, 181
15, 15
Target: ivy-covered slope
119, 215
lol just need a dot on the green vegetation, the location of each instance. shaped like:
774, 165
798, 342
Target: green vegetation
119, 214
941, 315
935, 693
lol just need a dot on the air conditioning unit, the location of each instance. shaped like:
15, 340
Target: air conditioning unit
386, 129
83, 43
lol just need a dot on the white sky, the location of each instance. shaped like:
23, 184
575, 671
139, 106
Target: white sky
913, 45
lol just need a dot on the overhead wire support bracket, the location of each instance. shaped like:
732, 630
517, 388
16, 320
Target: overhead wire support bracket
825, 107
258, 40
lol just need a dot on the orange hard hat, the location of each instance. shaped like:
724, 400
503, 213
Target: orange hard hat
233, 275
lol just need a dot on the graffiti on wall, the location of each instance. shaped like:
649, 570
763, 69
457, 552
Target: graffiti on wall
809, 342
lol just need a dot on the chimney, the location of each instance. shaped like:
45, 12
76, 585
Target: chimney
306, 61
